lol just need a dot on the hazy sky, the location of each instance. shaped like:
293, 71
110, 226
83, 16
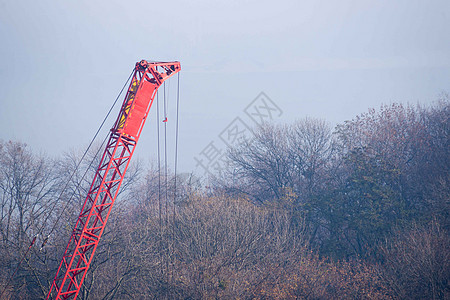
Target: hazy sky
63, 63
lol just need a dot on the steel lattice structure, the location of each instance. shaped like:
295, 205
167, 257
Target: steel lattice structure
147, 78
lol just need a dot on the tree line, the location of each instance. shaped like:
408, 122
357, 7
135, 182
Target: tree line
302, 211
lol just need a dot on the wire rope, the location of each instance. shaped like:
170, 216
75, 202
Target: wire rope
166, 204
165, 151
159, 176
81, 160
65, 187
175, 171
176, 143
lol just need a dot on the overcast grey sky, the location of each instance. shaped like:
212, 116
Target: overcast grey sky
63, 62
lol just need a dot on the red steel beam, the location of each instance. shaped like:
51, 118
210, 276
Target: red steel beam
147, 78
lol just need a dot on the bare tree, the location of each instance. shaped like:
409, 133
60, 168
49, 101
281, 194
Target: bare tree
311, 147
262, 166
282, 162
417, 262
279, 157
27, 194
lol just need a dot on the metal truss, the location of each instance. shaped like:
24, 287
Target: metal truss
147, 78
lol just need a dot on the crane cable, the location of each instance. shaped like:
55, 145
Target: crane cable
165, 155
165, 108
166, 188
159, 174
65, 187
176, 143
165, 184
84, 154
175, 171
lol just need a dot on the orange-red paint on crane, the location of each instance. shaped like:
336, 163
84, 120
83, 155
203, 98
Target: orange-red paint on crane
147, 78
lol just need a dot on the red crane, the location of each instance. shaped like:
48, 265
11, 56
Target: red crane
146, 79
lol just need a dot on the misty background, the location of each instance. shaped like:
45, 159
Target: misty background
63, 63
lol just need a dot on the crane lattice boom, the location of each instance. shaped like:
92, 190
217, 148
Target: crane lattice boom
147, 78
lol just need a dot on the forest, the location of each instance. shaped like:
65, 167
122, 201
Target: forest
302, 211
